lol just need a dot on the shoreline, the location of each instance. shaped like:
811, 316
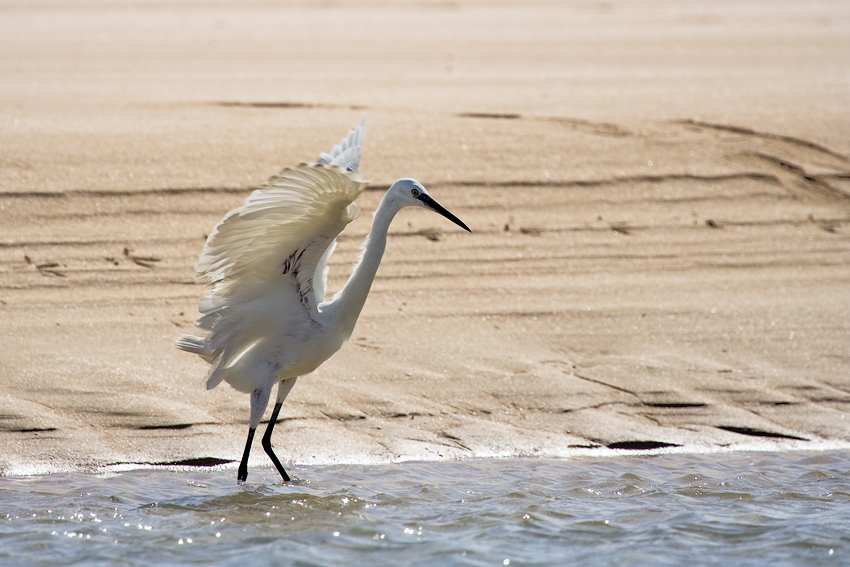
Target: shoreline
575, 453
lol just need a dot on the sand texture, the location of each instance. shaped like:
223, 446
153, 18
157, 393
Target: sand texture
659, 198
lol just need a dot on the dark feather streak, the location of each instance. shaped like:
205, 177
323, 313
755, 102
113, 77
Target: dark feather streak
292, 266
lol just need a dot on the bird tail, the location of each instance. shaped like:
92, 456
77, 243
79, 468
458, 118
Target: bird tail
225, 365
195, 345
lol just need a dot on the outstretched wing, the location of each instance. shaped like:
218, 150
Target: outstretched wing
265, 261
346, 154
276, 240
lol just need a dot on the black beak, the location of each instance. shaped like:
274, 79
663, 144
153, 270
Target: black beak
437, 207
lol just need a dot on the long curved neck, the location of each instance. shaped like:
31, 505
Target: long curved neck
346, 305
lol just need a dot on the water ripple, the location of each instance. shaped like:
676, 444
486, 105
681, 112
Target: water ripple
736, 508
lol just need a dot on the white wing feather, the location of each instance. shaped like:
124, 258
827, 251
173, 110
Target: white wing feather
299, 212
346, 154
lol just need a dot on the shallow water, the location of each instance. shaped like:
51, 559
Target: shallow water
676, 509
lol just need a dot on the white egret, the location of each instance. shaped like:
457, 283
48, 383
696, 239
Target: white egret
265, 314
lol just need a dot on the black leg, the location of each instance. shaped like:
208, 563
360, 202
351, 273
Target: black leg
267, 442
242, 475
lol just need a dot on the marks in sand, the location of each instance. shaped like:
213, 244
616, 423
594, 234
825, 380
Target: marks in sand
581, 233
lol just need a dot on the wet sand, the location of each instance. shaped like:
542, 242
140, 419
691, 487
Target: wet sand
659, 197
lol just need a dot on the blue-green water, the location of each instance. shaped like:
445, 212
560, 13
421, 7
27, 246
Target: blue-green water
679, 509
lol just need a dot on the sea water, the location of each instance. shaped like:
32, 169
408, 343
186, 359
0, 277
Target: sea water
790, 508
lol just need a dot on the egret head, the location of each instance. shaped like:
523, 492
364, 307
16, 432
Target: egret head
411, 193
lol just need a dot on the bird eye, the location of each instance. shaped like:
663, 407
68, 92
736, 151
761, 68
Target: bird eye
414, 192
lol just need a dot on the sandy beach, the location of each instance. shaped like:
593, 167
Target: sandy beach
659, 198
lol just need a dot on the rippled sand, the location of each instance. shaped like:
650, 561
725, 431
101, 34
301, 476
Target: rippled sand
659, 197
